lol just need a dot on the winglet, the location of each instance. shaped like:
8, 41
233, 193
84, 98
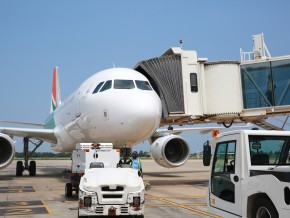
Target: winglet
55, 94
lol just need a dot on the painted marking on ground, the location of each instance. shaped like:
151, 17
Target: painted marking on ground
20, 203
18, 208
46, 206
183, 206
170, 205
16, 189
22, 211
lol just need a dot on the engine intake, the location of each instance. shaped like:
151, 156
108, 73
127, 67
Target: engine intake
7, 150
170, 151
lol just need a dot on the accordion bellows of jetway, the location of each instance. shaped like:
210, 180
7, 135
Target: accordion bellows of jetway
195, 90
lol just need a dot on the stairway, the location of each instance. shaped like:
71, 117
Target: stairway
268, 126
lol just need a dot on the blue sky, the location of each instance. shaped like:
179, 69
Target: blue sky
84, 37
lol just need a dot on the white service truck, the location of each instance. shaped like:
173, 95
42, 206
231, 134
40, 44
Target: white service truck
250, 173
111, 192
85, 155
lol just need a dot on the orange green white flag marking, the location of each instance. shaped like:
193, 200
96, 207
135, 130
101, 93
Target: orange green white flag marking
55, 95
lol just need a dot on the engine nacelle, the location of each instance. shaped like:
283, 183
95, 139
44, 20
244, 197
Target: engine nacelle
7, 150
170, 151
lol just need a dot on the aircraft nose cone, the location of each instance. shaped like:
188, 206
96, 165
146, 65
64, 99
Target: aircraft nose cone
143, 116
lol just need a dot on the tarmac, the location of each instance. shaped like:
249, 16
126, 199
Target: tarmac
176, 192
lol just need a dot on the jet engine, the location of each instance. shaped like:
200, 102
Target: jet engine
7, 150
170, 151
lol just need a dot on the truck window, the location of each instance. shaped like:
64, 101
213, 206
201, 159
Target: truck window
223, 166
269, 150
96, 165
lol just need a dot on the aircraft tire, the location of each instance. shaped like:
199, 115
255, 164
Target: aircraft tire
19, 168
32, 168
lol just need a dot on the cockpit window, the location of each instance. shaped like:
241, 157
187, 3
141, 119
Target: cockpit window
98, 87
144, 85
123, 84
106, 86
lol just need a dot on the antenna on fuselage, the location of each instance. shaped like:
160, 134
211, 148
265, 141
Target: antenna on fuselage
114, 66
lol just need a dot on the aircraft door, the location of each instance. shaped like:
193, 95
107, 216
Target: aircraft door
225, 183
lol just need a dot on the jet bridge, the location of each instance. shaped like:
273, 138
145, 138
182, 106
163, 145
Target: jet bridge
194, 90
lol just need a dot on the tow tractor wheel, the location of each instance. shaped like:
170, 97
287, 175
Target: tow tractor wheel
264, 208
19, 168
32, 168
68, 190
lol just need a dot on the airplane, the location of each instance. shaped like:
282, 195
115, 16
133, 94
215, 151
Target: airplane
116, 105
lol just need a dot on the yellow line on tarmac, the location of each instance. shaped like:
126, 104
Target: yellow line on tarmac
183, 206
185, 197
46, 206
170, 205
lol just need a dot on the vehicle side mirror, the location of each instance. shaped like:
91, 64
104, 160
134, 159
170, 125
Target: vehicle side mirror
206, 154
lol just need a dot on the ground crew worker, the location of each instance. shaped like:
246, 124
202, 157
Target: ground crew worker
136, 163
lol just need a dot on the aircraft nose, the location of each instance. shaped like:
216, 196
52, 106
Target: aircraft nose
147, 111
143, 116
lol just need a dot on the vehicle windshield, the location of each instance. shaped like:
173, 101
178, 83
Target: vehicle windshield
269, 150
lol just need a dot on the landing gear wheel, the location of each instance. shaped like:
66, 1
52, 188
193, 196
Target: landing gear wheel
263, 208
68, 190
32, 168
19, 168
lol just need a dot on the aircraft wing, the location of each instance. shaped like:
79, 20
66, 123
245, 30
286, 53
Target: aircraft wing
202, 130
41, 134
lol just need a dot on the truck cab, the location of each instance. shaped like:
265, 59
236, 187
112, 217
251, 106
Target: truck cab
250, 173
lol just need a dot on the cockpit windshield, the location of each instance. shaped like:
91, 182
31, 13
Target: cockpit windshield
123, 84
144, 85
98, 87
106, 86
269, 150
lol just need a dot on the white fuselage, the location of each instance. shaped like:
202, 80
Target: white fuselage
122, 116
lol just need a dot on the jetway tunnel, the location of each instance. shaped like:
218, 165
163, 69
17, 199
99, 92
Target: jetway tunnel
165, 75
194, 90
